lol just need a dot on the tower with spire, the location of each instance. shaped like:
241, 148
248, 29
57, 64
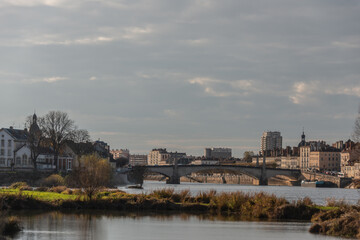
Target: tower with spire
303, 141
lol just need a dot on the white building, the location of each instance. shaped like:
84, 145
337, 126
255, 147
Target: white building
158, 155
15, 152
12, 151
271, 141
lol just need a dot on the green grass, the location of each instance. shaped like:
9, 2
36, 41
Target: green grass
44, 196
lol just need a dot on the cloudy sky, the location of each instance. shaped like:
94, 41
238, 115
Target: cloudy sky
186, 74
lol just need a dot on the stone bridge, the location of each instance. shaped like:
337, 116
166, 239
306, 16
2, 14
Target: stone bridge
340, 182
174, 172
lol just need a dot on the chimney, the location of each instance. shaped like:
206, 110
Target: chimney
11, 127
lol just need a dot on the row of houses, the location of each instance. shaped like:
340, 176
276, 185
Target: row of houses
15, 151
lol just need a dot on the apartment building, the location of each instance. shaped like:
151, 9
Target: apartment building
271, 141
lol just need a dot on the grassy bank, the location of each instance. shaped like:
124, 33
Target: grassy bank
244, 205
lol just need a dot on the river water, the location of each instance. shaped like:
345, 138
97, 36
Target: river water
105, 225
317, 195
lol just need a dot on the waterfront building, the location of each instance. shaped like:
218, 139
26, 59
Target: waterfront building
319, 156
15, 152
12, 151
271, 141
217, 153
138, 160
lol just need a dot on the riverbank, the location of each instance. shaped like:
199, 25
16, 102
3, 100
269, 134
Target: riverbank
239, 204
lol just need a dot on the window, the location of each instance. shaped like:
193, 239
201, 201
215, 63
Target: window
9, 152
2, 142
25, 160
2, 152
9, 143
2, 161
18, 161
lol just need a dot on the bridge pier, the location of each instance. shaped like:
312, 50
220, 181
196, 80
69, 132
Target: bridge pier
263, 178
263, 182
173, 180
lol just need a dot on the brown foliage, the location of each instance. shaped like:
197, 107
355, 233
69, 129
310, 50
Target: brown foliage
53, 181
94, 174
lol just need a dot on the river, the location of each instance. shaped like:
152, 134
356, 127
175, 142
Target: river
105, 225
317, 195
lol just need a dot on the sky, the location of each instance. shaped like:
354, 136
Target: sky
184, 75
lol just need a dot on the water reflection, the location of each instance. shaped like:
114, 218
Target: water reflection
153, 225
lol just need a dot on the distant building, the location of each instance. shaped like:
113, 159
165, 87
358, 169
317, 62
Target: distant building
271, 141
138, 160
350, 159
120, 153
158, 155
205, 162
351, 171
319, 156
290, 162
219, 153
339, 145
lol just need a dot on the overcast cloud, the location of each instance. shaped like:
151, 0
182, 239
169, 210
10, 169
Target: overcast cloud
184, 75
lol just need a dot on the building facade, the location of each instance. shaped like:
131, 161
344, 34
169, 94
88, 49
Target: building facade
271, 141
327, 160
15, 153
222, 153
138, 160
290, 162
120, 153
158, 155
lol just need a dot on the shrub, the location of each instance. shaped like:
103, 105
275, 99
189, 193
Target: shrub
332, 202
18, 185
183, 196
58, 189
163, 193
53, 180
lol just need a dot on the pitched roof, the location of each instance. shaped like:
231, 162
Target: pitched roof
17, 134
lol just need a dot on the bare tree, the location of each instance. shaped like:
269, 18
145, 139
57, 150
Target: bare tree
356, 132
94, 174
80, 136
247, 156
58, 128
